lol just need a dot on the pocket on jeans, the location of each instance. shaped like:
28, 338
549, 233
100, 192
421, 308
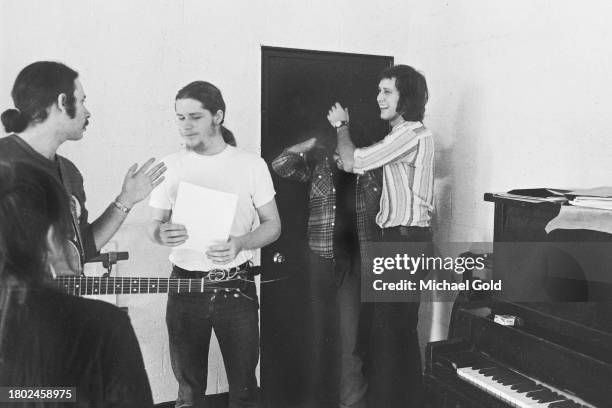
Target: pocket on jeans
250, 297
249, 292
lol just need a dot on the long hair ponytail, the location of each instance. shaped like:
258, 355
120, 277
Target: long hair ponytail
228, 136
35, 89
211, 99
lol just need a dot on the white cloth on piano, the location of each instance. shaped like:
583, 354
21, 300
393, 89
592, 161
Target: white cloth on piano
571, 217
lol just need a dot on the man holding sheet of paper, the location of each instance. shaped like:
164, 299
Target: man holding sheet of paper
207, 210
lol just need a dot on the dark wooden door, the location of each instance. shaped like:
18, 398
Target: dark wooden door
298, 88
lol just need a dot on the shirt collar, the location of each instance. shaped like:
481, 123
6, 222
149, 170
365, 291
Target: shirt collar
407, 124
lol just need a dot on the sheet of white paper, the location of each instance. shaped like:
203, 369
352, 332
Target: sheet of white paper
604, 191
207, 214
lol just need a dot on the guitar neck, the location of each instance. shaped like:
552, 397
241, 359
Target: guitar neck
86, 285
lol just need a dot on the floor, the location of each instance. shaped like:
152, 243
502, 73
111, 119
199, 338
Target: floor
213, 401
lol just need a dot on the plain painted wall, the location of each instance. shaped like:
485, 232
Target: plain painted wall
519, 92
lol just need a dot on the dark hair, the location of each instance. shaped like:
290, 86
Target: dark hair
31, 201
412, 88
211, 99
35, 89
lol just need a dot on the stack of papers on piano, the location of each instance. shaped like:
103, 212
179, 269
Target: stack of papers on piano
536, 195
599, 197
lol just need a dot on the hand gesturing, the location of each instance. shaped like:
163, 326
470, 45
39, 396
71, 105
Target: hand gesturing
138, 183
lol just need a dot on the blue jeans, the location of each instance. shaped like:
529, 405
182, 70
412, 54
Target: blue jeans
335, 372
391, 343
190, 319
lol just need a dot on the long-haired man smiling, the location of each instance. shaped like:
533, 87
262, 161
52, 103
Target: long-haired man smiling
406, 157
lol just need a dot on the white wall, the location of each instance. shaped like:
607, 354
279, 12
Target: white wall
519, 93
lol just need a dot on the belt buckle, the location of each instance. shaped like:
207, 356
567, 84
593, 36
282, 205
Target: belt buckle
217, 275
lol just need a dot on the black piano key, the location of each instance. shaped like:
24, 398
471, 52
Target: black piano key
526, 387
536, 393
511, 380
545, 395
490, 371
505, 373
559, 396
503, 377
564, 404
551, 396
523, 384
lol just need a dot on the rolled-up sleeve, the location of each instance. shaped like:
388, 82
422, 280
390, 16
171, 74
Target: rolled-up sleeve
291, 166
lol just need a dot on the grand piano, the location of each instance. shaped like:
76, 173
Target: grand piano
558, 353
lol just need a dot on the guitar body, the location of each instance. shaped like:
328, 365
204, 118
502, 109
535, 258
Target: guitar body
73, 259
70, 264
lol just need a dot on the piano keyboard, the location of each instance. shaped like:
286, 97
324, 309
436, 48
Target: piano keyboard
510, 386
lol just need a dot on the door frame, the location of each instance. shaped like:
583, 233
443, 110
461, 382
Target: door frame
268, 52
278, 313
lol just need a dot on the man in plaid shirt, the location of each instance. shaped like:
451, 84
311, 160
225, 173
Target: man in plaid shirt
342, 211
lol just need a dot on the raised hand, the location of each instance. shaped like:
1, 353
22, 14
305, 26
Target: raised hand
337, 114
303, 147
139, 182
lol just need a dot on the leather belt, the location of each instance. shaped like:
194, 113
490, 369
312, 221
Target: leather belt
215, 275
404, 230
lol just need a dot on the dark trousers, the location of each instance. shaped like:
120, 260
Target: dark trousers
391, 343
190, 319
335, 371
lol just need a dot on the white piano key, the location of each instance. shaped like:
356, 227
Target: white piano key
503, 392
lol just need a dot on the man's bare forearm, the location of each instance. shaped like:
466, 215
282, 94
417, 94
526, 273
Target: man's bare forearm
266, 233
346, 148
153, 231
137, 185
107, 224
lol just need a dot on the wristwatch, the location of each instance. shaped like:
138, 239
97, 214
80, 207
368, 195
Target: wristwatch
338, 124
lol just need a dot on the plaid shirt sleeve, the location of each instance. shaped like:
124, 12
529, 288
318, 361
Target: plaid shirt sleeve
291, 165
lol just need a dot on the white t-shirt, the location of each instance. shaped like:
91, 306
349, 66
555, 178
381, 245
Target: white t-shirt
231, 171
